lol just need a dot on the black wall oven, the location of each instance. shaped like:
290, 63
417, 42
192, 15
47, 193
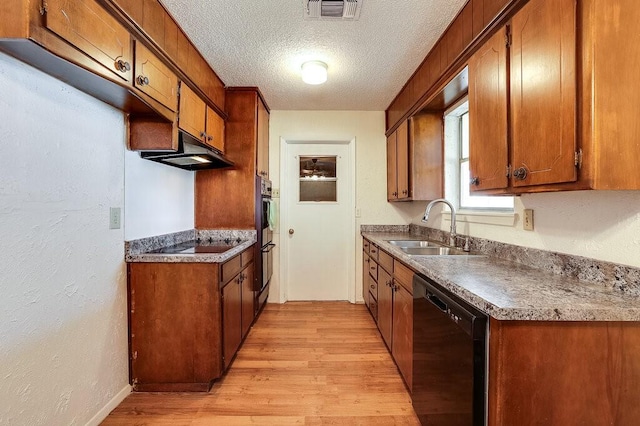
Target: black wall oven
265, 241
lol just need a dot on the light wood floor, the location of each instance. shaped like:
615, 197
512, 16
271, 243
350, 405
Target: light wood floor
303, 363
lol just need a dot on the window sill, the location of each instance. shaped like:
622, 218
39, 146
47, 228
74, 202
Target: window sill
483, 217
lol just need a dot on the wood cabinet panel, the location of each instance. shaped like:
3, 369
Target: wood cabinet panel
592, 368
153, 21
426, 156
455, 35
543, 92
478, 16
192, 112
231, 319
154, 78
488, 125
262, 160
183, 51
402, 345
133, 9
170, 36
491, 9
165, 299
392, 164
386, 261
90, 28
402, 161
365, 277
385, 306
215, 130
403, 275
467, 24
248, 299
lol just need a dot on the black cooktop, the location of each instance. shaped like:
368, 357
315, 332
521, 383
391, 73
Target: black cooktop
193, 247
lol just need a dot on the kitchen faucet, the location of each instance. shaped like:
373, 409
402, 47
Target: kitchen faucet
452, 233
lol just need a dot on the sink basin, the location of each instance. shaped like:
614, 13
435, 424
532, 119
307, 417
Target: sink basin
413, 243
433, 251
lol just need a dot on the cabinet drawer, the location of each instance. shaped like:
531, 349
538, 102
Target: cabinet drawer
247, 256
373, 269
231, 268
386, 261
373, 287
365, 246
403, 275
373, 252
373, 307
90, 28
155, 79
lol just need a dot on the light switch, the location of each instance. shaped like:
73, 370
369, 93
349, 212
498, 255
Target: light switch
114, 218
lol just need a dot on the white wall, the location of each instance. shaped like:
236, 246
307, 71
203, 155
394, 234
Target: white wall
63, 323
602, 225
159, 198
368, 128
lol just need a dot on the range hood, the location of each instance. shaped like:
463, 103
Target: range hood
191, 155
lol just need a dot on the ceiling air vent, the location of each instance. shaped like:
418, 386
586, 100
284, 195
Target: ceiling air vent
332, 9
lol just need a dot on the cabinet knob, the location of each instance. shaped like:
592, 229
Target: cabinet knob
291, 231
372, 286
474, 181
373, 268
142, 80
395, 194
209, 138
405, 192
123, 66
520, 174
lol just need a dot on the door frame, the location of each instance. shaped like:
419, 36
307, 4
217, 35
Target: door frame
285, 145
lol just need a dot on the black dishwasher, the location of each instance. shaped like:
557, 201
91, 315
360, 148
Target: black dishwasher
449, 356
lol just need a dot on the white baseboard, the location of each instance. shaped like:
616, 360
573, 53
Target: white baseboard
104, 412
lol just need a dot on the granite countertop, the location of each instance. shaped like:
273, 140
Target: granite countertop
140, 251
508, 290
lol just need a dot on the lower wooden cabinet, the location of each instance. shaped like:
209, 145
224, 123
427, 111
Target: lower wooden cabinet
186, 323
387, 291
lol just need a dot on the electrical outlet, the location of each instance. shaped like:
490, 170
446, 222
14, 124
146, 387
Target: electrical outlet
114, 218
276, 193
527, 220
358, 212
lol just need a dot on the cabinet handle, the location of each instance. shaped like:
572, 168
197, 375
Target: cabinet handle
474, 181
142, 80
372, 286
395, 194
373, 250
209, 138
405, 192
373, 268
520, 174
123, 66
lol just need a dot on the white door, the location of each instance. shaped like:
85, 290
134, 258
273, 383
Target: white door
319, 226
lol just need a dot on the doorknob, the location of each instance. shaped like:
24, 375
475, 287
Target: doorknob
291, 231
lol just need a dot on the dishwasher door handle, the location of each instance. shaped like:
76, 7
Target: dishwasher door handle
437, 302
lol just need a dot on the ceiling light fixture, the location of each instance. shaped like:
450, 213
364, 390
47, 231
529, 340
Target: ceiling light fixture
314, 72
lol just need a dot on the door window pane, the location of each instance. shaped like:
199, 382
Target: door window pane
318, 179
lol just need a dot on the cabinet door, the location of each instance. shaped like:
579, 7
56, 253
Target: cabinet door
248, 297
402, 347
385, 306
192, 112
402, 160
263, 140
155, 79
87, 26
231, 319
365, 277
215, 130
392, 175
488, 143
543, 93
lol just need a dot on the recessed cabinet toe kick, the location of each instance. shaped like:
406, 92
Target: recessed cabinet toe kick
449, 347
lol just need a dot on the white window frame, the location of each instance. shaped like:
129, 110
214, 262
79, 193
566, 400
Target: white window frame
453, 185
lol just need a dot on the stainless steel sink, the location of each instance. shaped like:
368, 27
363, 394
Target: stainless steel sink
413, 243
433, 251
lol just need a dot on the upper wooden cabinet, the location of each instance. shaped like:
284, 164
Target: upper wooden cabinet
415, 159
199, 120
90, 28
488, 148
543, 93
154, 78
568, 97
262, 163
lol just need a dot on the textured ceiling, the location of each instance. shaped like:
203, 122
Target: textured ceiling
264, 42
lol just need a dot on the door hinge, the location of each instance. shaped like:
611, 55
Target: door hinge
578, 159
507, 37
44, 8
134, 355
509, 171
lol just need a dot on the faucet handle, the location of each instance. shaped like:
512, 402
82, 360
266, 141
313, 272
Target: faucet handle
467, 243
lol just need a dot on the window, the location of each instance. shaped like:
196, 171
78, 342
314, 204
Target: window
457, 173
318, 179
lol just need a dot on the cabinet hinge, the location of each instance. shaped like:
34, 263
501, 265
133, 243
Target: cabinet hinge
507, 37
509, 171
578, 159
44, 8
